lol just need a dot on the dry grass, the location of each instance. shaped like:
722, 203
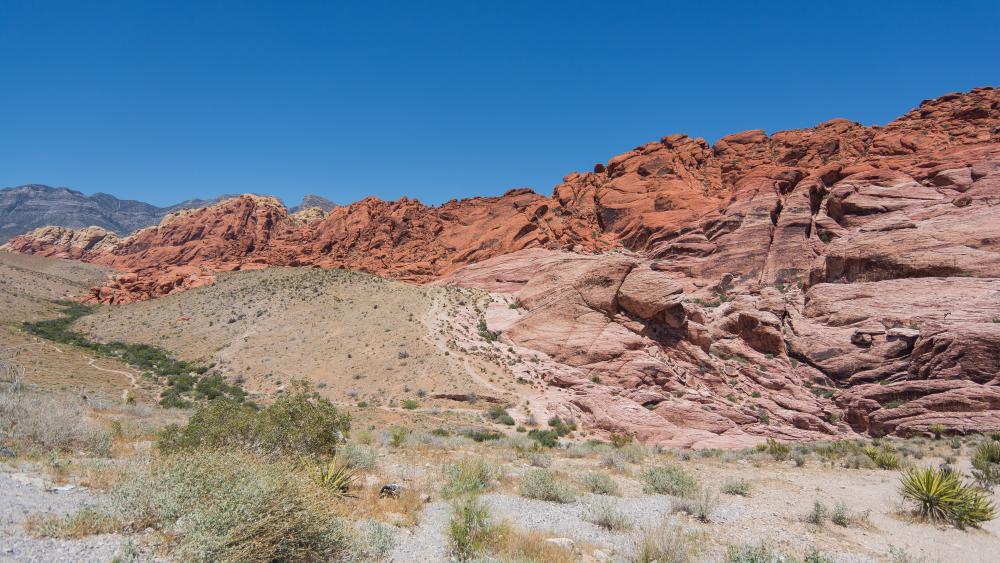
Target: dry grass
87, 521
368, 505
510, 544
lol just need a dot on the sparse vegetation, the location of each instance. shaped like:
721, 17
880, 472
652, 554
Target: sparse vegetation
604, 513
469, 476
599, 484
543, 484
740, 487
668, 480
986, 464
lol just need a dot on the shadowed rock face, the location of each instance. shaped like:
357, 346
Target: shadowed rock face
808, 284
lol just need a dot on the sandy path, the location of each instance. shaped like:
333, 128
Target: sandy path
133, 381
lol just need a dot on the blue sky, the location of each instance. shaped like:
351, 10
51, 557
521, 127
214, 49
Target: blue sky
164, 101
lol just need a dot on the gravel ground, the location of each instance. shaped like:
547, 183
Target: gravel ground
427, 541
23, 495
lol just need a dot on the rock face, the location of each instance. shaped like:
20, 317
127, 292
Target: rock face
25, 208
812, 283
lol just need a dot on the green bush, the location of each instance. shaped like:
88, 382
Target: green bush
469, 476
222, 505
300, 423
410, 404
605, 514
740, 487
599, 484
545, 438
477, 435
497, 413
668, 480
469, 530
542, 484
884, 456
778, 450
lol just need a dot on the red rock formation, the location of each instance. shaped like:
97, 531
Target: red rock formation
812, 282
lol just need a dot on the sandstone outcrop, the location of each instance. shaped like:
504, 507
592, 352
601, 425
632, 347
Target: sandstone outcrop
811, 283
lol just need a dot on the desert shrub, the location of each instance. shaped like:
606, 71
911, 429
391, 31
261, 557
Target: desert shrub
668, 480
619, 440
632, 453
498, 414
883, 456
599, 484
840, 516
604, 513
667, 543
410, 404
397, 435
469, 475
538, 459
818, 514
778, 450
469, 530
228, 505
701, 505
937, 430
545, 438
358, 456
740, 487
986, 464
561, 427
614, 460
477, 435
377, 541
940, 495
542, 484
40, 423
300, 423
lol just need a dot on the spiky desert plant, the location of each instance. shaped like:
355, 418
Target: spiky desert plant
333, 475
778, 450
986, 464
884, 457
940, 495
934, 492
974, 508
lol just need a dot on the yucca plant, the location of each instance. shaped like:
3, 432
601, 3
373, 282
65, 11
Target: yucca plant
986, 464
884, 456
934, 491
973, 508
778, 450
940, 495
334, 476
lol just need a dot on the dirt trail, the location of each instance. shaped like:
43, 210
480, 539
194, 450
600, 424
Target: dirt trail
133, 380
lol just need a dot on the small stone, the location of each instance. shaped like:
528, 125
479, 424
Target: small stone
564, 543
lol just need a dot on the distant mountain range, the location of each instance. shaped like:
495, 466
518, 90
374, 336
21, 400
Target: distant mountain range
25, 208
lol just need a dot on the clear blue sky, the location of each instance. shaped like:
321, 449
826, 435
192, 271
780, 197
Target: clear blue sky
163, 101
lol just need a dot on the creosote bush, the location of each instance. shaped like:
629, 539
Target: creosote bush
542, 484
740, 487
599, 484
229, 505
668, 480
300, 423
469, 476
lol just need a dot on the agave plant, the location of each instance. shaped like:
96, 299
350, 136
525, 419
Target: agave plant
333, 475
973, 508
